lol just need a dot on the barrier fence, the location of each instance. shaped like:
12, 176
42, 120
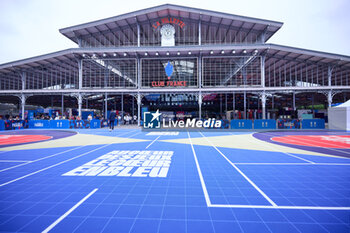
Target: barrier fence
233, 124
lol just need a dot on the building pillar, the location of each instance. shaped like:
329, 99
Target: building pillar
330, 75
233, 104
263, 104
62, 104
23, 104
106, 105
138, 35
138, 109
329, 98
262, 70
122, 101
80, 103
245, 105
80, 66
199, 31
200, 105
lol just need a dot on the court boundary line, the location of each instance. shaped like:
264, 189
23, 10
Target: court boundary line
272, 206
14, 161
69, 211
204, 187
297, 164
54, 165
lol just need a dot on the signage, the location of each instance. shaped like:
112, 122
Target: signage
168, 20
127, 163
169, 70
153, 121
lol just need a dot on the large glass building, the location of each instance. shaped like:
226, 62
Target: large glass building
178, 59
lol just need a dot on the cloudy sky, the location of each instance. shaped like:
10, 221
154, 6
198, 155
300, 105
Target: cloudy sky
30, 27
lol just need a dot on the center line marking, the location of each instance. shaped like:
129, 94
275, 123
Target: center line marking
233, 165
69, 211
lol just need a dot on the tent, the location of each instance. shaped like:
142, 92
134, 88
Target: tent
339, 116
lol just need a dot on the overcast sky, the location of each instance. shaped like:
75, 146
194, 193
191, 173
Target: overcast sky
30, 27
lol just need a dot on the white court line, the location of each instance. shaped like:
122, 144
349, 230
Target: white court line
233, 165
54, 165
307, 164
327, 148
205, 191
69, 211
282, 207
152, 142
268, 145
29, 162
15, 161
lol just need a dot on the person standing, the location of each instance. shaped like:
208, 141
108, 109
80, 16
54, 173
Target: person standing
111, 120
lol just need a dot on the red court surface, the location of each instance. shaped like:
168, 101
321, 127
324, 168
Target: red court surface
326, 141
19, 139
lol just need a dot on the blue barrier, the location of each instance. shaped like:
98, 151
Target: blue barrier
94, 124
2, 125
225, 124
59, 124
288, 124
313, 124
241, 124
43, 124
264, 124
15, 124
79, 124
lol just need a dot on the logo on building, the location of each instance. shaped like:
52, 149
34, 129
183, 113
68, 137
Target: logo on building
169, 69
151, 120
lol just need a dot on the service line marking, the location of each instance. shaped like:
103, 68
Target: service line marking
69, 211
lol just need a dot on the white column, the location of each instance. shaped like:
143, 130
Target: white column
200, 105
80, 102
263, 104
106, 105
262, 70
122, 107
330, 98
138, 109
62, 104
245, 105
80, 66
234, 104
23, 104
